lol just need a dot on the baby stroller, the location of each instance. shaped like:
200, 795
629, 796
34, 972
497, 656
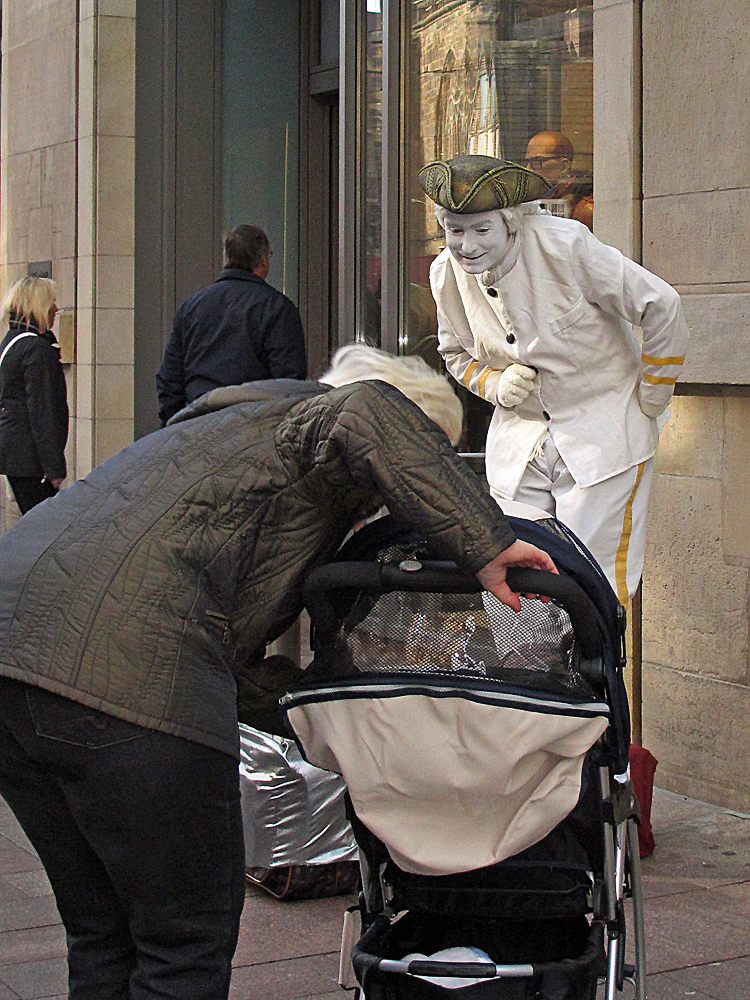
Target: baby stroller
485, 754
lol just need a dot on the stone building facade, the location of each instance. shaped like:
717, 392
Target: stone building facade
671, 189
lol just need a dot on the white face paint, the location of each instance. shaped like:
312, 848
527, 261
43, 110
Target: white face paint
478, 241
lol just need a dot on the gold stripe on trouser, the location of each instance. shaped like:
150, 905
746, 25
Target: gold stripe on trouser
659, 379
621, 559
470, 369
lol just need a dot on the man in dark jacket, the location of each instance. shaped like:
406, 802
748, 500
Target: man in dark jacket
238, 329
133, 606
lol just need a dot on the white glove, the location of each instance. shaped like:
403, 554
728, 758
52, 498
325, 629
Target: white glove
515, 384
650, 409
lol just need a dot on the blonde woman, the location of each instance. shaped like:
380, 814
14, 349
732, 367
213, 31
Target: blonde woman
33, 395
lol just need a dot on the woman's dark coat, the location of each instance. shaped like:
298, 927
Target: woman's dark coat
33, 406
145, 588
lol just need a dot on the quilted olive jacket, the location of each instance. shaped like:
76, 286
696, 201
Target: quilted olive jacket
144, 589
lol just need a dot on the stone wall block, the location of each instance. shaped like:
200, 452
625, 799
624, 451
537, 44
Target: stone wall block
58, 189
84, 391
616, 223
86, 197
42, 111
691, 442
696, 63
40, 233
63, 272
84, 446
114, 283
614, 113
85, 282
735, 497
113, 395
9, 273
719, 349
32, 20
112, 436
116, 76
116, 8
115, 230
87, 78
699, 731
84, 335
694, 605
23, 177
114, 336
698, 239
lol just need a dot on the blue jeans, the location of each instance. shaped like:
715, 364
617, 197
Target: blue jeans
140, 834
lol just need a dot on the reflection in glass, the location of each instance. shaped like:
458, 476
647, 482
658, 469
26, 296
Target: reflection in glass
329, 33
509, 78
373, 146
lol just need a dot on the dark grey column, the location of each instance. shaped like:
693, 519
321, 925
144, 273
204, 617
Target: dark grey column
177, 174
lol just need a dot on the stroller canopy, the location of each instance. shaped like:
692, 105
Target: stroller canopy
460, 727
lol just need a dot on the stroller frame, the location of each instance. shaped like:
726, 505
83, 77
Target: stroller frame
620, 877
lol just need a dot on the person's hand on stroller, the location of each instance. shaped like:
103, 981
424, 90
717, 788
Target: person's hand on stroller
492, 577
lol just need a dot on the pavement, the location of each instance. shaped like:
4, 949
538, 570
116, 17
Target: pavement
697, 902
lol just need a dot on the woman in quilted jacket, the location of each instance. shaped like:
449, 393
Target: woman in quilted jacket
33, 395
135, 605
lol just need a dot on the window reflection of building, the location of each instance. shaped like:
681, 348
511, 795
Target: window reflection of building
484, 77
373, 139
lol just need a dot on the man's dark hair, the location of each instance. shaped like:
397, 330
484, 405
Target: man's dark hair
245, 247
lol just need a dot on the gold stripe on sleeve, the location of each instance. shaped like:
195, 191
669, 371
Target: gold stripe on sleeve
649, 359
621, 559
482, 379
470, 369
658, 379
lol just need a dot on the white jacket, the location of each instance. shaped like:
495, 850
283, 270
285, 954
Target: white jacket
567, 306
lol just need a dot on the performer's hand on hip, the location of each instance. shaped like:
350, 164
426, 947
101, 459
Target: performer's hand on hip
516, 382
650, 409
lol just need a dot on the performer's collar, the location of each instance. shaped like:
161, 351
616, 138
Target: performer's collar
506, 262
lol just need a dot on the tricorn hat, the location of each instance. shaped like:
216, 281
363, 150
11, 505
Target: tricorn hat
469, 184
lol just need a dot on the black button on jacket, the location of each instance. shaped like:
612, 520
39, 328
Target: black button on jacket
237, 329
33, 406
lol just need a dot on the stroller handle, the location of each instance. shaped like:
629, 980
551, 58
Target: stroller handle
446, 577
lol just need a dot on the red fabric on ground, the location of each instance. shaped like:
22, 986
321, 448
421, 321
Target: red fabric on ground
642, 768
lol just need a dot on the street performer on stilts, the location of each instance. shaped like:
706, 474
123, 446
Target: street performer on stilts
536, 316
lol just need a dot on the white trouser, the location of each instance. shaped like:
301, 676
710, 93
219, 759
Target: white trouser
609, 518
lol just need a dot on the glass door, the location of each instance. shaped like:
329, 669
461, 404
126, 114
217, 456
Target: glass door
511, 79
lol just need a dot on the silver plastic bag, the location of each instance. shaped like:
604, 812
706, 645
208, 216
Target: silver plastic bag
293, 813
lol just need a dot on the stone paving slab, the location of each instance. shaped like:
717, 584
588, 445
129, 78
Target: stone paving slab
36, 980
273, 931
16, 859
697, 846
32, 944
697, 901
18, 913
291, 979
722, 980
666, 987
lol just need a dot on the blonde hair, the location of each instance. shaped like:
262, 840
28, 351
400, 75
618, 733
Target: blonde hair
410, 374
29, 300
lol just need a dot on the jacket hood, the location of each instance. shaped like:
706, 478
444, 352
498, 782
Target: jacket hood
266, 391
